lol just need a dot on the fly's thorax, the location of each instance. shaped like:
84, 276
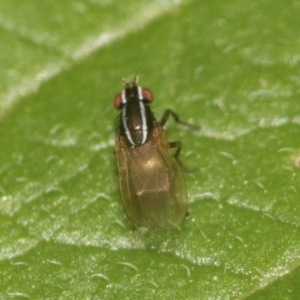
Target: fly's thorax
136, 122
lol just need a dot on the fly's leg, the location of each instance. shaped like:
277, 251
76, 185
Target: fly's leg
166, 116
177, 145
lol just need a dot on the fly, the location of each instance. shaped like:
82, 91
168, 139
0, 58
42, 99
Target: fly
151, 182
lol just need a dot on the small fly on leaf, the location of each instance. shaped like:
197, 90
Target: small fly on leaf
151, 182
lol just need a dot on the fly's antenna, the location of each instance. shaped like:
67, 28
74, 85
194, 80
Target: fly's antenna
136, 76
135, 79
125, 82
118, 75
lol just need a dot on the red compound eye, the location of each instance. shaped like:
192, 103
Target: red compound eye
147, 94
118, 101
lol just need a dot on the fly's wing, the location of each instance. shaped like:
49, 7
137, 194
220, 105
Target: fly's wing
125, 159
151, 182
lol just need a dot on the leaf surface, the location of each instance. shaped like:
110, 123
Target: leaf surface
232, 68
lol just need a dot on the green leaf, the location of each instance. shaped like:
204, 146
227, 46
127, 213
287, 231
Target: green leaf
232, 68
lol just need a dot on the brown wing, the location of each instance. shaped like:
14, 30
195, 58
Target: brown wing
151, 182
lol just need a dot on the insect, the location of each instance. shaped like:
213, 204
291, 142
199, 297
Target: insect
151, 182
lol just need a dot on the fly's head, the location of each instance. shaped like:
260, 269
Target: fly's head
132, 92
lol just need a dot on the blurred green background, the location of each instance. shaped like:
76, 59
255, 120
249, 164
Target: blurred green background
231, 67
